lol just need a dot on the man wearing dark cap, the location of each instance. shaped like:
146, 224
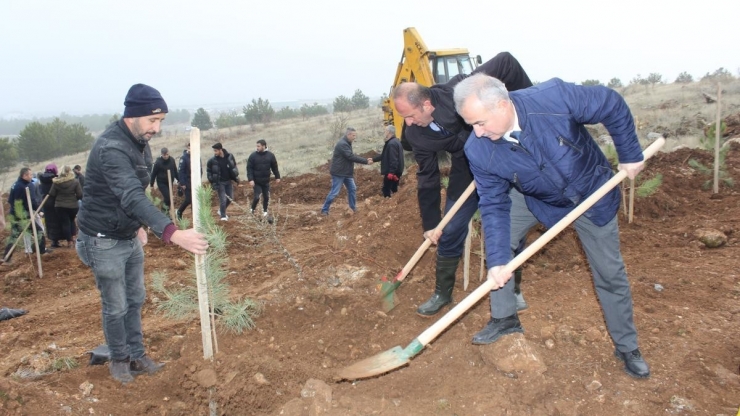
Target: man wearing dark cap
221, 170
112, 218
163, 164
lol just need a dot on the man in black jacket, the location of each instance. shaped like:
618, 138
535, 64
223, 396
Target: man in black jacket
112, 218
259, 165
343, 171
391, 162
432, 125
221, 170
163, 164
184, 181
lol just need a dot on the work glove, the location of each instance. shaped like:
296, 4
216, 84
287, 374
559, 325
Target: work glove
392, 177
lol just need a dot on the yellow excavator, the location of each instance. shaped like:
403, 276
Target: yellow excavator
426, 67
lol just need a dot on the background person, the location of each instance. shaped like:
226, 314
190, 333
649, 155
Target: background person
259, 165
163, 164
342, 171
391, 162
221, 170
66, 191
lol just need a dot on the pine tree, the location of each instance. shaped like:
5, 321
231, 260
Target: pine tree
202, 120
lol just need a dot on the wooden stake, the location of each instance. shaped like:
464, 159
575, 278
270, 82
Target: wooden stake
482, 253
632, 199
200, 273
33, 227
466, 261
10, 252
172, 200
624, 198
718, 136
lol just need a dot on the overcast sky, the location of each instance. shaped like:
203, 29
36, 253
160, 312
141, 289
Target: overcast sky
81, 56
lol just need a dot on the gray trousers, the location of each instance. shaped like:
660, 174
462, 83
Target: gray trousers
601, 245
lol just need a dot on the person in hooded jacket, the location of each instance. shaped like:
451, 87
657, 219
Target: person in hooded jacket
259, 165
51, 220
66, 191
221, 170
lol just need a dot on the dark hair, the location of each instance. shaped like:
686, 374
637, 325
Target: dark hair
77, 167
217, 146
24, 171
262, 142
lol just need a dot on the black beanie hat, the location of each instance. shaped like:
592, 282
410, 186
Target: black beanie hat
143, 100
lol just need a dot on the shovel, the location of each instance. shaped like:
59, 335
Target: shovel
388, 287
397, 356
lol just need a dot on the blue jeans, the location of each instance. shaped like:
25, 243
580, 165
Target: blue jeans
118, 266
224, 189
336, 186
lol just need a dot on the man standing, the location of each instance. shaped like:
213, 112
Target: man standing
112, 218
17, 196
79, 175
534, 161
432, 125
163, 164
259, 165
391, 162
343, 171
221, 170
184, 181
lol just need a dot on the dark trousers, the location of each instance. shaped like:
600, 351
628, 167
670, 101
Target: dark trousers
67, 222
390, 187
164, 188
187, 201
263, 190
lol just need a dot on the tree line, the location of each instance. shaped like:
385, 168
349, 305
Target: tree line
653, 78
38, 142
260, 110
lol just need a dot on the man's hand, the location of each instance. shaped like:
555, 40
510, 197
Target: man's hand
277, 180
496, 274
190, 240
433, 235
142, 236
151, 185
369, 161
251, 183
632, 169
392, 177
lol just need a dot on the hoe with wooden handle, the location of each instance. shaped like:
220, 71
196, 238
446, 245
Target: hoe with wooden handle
397, 356
388, 287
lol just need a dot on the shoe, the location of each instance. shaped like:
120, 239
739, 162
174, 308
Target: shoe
634, 364
120, 371
325, 213
497, 328
251, 211
144, 365
55, 244
264, 214
224, 218
445, 282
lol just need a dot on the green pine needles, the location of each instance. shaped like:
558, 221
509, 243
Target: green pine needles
232, 315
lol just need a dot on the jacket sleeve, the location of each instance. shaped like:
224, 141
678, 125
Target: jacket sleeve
392, 158
250, 168
234, 169
274, 167
346, 151
155, 172
599, 104
175, 174
78, 190
126, 187
429, 188
53, 190
182, 175
212, 175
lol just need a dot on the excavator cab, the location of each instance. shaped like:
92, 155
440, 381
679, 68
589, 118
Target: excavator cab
446, 67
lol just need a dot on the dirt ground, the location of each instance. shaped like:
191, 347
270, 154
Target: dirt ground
322, 313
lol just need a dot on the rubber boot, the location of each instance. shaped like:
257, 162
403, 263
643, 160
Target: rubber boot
446, 268
521, 304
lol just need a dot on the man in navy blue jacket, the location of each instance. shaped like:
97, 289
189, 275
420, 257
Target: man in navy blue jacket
534, 161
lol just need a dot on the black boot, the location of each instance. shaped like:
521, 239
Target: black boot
634, 364
120, 371
496, 328
446, 268
521, 304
